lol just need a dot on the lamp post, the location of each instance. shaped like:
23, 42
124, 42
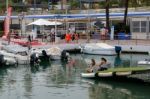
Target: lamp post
21, 17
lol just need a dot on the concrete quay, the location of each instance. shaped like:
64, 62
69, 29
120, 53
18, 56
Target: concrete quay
133, 46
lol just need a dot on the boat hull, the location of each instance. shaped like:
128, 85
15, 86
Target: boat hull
88, 75
99, 48
143, 62
9, 61
22, 60
107, 74
55, 57
99, 52
123, 73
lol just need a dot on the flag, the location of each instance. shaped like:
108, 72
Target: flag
7, 23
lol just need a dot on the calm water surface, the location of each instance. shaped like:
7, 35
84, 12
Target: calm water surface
62, 81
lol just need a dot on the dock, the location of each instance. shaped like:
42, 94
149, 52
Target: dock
131, 46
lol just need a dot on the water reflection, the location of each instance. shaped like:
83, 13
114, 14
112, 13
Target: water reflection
59, 80
117, 90
124, 60
57, 73
62, 73
28, 85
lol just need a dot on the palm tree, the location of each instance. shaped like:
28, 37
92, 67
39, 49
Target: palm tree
107, 15
126, 12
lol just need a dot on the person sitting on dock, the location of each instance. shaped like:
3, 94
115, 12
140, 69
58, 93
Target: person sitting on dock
91, 67
103, 65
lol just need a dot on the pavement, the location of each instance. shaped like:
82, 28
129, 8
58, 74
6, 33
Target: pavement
82, 41
111, 42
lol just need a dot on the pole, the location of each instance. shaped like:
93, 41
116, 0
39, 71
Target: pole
107, 15
80, 5
66, 12
56, 39
126, 12
88, 25
6, 6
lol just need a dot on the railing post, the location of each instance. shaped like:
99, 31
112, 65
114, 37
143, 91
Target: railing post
136, 40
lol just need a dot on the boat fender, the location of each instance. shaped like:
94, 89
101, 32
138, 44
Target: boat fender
44, 54
64, 55
118, 49
2, 61
34, 59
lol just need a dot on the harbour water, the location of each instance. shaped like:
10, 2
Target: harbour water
57, 80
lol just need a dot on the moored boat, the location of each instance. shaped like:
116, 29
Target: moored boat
20, 57
57, 53
7, 60
100, 48
144, 62
116, 72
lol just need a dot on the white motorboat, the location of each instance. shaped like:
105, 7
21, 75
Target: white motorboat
14, 48
57, 53
144, 62
99, 48
20, 57
19, 53
7, 60
10, 61
54, 52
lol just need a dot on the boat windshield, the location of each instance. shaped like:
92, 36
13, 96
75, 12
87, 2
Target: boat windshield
23, 53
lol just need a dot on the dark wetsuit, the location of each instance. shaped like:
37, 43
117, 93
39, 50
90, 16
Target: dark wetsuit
104, 67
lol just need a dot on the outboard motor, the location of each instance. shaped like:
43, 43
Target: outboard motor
2, 61
34, 59
64, 56
118, 49
44, 54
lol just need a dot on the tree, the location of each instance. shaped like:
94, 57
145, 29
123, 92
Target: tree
107, 15
74, 4
126, 11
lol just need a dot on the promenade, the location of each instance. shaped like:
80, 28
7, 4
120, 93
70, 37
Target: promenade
142, 46
111, 42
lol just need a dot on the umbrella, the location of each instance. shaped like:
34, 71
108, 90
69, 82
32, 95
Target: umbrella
44, 22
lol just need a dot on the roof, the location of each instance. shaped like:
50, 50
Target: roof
95, 15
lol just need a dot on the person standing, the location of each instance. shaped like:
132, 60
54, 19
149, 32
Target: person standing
76, 36
68, 37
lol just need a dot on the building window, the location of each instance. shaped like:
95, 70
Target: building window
143, 26
136, 26
139, 26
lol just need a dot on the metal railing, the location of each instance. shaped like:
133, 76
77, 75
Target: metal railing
92, 38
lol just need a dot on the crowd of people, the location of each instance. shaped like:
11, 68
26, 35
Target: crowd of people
71, 37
